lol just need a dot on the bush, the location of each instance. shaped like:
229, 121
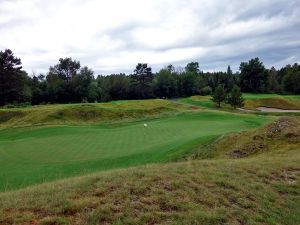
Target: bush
206, 91
17, 105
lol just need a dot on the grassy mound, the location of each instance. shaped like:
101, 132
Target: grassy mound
201, 101
282, 134
252, 101
279, 103
258, 190
87, 113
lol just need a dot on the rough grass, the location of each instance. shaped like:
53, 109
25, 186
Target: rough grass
280, 135
87, 113
250, 177
201, 101
252, 101
257, 190
258, 96
279, 103
34, 155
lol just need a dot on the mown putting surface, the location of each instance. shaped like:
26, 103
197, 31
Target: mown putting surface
35, 155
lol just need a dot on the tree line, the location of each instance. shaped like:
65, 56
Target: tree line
69, 82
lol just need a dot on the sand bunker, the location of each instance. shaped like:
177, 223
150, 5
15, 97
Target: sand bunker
267, 109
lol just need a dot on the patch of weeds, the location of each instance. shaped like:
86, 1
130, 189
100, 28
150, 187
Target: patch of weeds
100, 216
7, 115
59, 115
200, 217
54, 221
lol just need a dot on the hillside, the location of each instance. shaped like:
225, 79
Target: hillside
252, 101
91, 113
280, 135
261, 187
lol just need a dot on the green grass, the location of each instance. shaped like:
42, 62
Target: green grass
260, 96
280, 136
202, 101
258, 190
233, 170
35, 155
97, 113
252, 101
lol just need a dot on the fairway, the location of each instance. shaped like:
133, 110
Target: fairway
35, 155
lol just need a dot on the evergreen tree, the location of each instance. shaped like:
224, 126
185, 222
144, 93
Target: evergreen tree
12, 78
143, 81
229, 80
235, 98
291, 79
219, 95
273, 84
165, 84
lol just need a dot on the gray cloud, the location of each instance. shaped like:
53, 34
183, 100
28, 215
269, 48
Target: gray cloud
113, 36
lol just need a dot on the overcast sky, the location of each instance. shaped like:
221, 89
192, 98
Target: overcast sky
112, 36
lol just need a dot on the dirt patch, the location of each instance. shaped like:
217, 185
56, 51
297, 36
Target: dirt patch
268, 109
248, 149
246, 110
7, 115
285, 130
289, 176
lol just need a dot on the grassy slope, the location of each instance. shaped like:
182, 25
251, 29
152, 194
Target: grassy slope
252, 101
202, 101
262, 96
261, 189
87, 113
281, 135
35, 155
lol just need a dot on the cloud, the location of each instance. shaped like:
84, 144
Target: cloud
113, 36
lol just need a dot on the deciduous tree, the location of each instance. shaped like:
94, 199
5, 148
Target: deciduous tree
253, 76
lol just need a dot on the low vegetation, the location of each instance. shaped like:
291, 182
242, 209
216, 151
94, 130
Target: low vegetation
98, 163
277, 102
34, 155
88, 113
279, 136
261, 189
251, 101
201, 101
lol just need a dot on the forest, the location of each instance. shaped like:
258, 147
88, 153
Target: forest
70, 82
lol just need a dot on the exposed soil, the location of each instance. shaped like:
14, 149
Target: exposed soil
284, 130
246, 110
267, 109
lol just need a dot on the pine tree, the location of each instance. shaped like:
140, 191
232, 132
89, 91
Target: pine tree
235, 98
219, 95
11, 78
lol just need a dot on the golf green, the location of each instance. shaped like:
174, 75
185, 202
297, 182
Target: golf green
35, 155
